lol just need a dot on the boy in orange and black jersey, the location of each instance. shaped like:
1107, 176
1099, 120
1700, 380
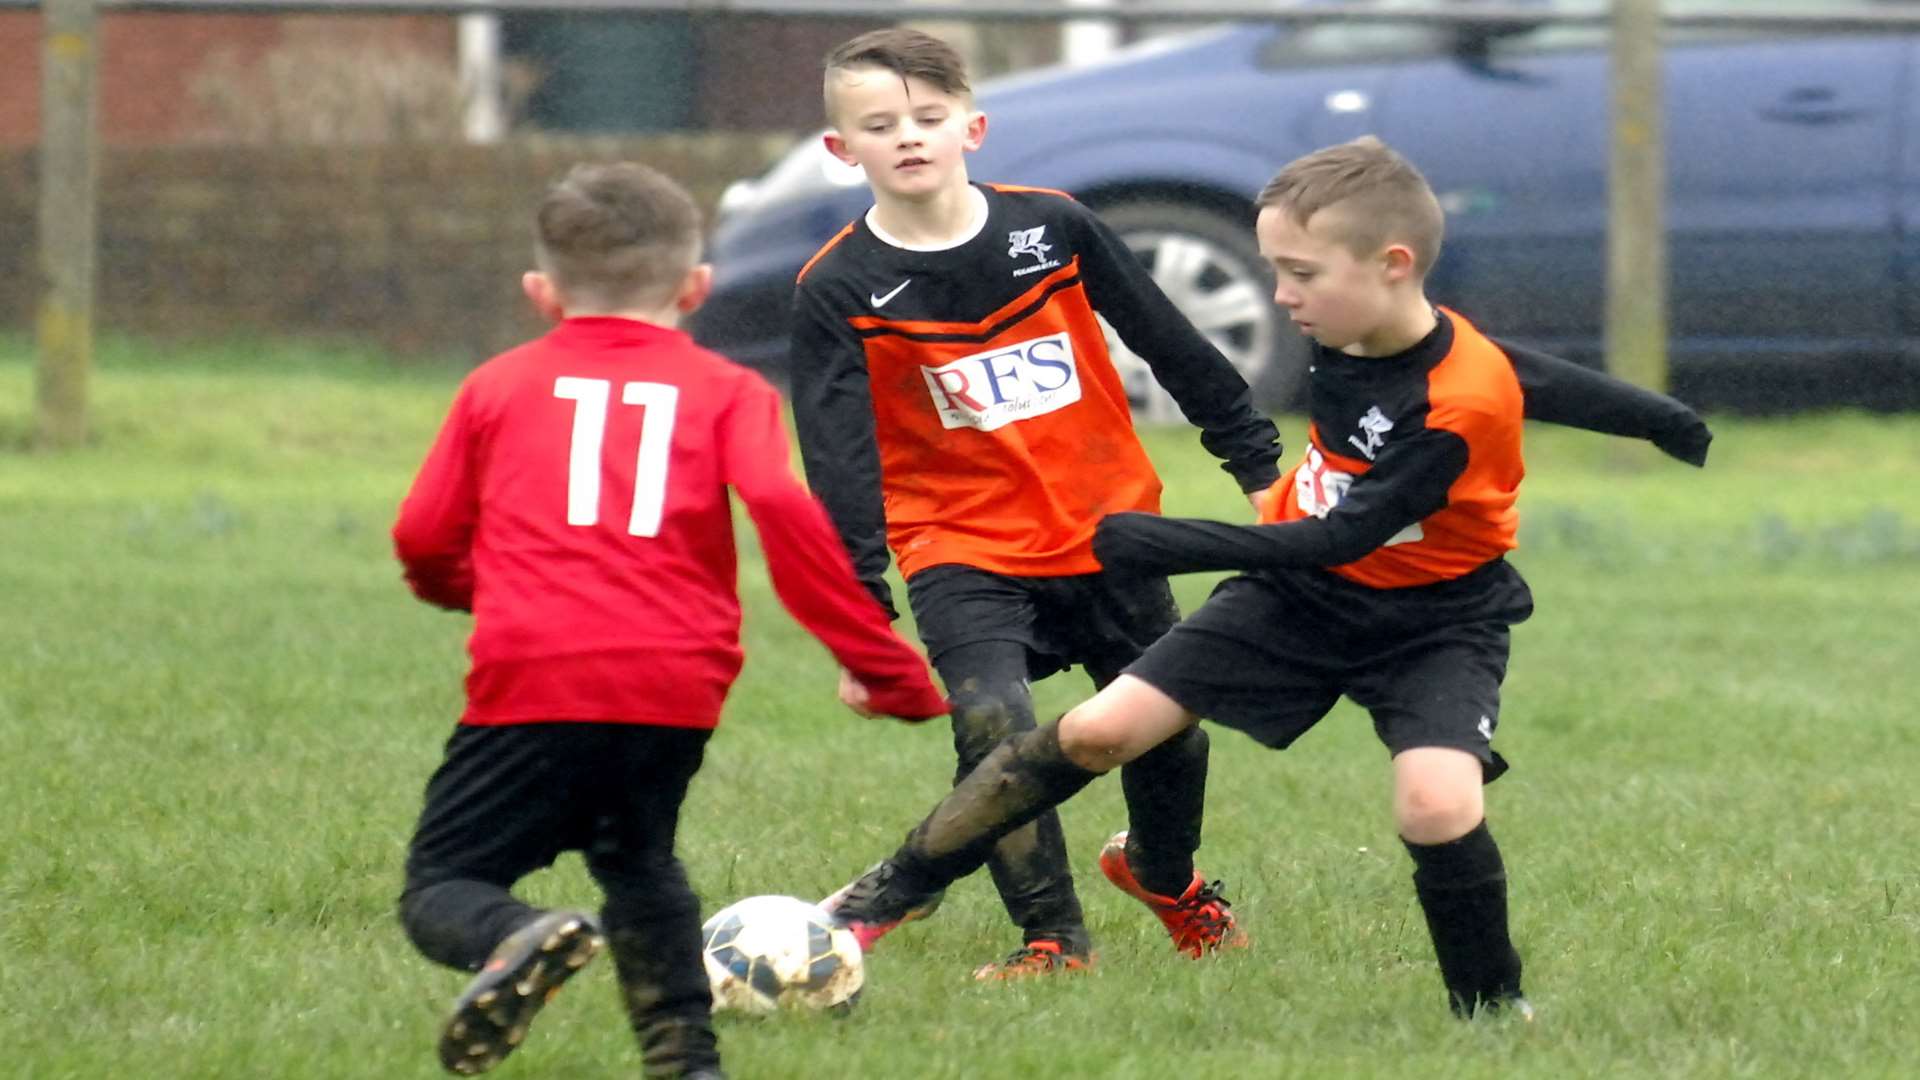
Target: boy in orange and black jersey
1377, 573
955, 402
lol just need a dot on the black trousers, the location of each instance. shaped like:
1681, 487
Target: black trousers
507, 800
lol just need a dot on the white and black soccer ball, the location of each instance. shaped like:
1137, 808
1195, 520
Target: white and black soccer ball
766, 953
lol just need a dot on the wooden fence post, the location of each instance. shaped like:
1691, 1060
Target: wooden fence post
68, 179
1636, 331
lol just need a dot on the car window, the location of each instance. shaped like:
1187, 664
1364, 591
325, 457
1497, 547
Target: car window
1344, 42
1339, 42
1552, 37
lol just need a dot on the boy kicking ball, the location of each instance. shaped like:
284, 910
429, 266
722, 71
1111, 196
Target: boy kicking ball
578, 501
1377, 573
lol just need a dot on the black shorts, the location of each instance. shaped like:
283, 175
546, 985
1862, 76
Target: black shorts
1268, 654
1103, 621
508, 799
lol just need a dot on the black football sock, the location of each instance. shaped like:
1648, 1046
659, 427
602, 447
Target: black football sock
987, 687
1166, 790
652, 922
1462, 885
1025, 776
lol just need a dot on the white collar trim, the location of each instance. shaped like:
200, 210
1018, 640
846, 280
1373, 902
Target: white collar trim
973, 230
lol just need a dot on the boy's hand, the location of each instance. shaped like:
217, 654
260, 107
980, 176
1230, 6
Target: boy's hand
1688, 443
910, 703
854, 695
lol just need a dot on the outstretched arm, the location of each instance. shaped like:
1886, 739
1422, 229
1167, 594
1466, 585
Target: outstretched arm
1562, 392
1409, 482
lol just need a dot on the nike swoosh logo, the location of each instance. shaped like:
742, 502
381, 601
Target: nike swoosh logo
881, 301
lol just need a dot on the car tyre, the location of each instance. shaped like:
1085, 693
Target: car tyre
1209, 265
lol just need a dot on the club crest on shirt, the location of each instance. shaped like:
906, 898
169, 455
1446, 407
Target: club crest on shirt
1028, 242
1373, 432
995, 388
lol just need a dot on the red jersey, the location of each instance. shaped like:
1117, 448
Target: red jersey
576, 502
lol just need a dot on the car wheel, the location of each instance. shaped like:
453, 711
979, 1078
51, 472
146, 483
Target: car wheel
1210, 267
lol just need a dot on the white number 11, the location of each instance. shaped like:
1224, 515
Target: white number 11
589, 433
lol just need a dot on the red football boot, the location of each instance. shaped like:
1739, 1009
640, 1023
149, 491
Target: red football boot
1198, 919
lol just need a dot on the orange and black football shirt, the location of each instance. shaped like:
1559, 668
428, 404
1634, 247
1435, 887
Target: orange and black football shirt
1412, 466
959, 406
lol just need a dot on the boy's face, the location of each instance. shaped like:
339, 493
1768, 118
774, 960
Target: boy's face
1342, 300
908, 135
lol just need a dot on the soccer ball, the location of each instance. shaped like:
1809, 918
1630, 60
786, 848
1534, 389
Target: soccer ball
767, 953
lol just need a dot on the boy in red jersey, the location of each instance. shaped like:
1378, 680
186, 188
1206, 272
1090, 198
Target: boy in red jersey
955, 402
576, 502
1378, 573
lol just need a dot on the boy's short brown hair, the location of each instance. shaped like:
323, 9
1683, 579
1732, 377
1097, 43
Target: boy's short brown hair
1385, 198
910, 54
616, 236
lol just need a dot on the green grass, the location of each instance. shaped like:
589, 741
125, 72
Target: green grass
218, 706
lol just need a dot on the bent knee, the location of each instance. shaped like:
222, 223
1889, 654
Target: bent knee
1436, 814
1095, 741
1437, 794
981, 722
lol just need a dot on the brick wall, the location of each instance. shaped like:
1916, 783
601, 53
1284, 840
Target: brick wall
419, 248
148, 63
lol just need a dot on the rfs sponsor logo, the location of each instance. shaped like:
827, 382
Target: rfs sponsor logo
1318, 488
992, 389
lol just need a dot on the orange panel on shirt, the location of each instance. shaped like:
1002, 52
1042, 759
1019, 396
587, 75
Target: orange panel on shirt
1002, 443
1473, 393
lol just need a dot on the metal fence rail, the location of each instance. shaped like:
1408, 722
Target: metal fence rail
1857, 16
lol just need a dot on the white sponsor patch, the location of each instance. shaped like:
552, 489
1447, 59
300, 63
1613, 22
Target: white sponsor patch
992, 389
1318, 488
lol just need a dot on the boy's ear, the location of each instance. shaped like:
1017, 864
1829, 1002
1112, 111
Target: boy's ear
837, 146
694, 289
1400, 262
976, 130
544, 295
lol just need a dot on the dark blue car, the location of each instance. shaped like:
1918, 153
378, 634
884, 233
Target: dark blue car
1793, 194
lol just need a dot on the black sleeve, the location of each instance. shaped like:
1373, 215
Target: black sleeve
833, 417
1409, 482
1562, 392
1206, 387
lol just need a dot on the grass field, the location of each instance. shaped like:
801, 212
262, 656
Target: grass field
218, 705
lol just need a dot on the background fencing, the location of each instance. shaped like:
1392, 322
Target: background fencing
325, 174
413, 247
